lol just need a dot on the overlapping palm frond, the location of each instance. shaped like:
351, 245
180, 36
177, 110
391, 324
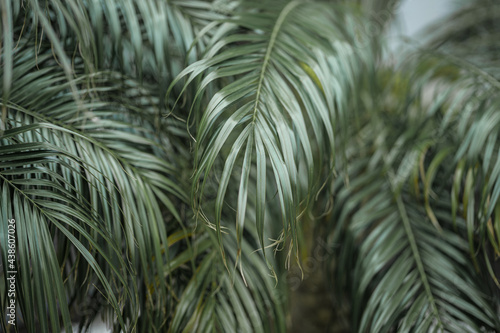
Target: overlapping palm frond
402, 274
421, 203
147, 40
285, 71
470, 35
218, 300
78, 173
280, 100
96, 179
469, 42
129, 35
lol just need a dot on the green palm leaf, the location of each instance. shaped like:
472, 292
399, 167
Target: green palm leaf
410, 205
216, 300
404, 274
76, 173
283, 103
284, 72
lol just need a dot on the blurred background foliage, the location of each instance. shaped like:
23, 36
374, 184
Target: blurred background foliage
250, 166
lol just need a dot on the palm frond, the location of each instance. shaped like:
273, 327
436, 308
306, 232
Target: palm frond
283, 73
101, 168
77, 182
283, 102
471, 35
419, 206
217, 300
147, 40
405, 275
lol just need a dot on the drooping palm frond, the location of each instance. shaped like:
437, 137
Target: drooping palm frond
285, 71
75, 177
96, 179
470, 35
217, 300
149, 34
86, 160
413, 222
147, 40
469, 41
403, 275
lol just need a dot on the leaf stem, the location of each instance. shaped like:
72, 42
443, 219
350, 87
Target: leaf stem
279, 22
418, 259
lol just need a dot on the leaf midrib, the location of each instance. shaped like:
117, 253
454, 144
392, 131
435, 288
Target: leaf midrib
418, 258
279, 22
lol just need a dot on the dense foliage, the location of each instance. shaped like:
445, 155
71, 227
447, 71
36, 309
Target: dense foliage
166, 160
